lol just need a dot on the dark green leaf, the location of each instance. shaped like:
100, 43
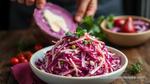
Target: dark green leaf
61, 62
135, 68
96, 29
69, 34
110, 18
110, 21
85, 42
110, 25
92, 26
100, 19
80, 31
88, 20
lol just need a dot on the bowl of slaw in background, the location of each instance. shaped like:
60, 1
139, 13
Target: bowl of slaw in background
57, 79
126, 39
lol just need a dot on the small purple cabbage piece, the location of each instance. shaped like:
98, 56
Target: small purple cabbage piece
141, 25
116, 29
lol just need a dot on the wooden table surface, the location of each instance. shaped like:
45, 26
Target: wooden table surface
9, 40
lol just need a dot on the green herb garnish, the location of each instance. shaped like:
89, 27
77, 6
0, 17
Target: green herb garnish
110, 21
87, 42
91, 26
100, 19
69, 33
61, 62
80, 31
135, 68
88, 21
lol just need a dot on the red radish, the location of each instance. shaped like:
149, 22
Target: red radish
128, 26
14, 60
24, 61
21, 57
38, 47
119, 22
28, 55
20, 54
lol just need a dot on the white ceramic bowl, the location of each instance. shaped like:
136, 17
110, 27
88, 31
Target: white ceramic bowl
56, 79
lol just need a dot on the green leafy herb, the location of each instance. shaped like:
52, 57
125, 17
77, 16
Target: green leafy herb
110, 18
135, 68
100, 19
88, 21
61, 62
110, 21
69, 33
110, 25
91, 26
80, 31
95, 29
87, 42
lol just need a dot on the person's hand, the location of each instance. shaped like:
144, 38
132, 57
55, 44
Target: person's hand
85, 8
39, 3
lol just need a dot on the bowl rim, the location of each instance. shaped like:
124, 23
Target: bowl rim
103, 26
90, 77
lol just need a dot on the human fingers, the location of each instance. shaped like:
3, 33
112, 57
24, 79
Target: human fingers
92, 7
20, 1
29, 2
82, 7
40, 3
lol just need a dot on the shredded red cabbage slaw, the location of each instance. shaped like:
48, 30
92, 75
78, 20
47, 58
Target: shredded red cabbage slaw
79, 57
140, 26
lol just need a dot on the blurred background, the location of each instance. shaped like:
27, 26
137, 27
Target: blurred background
17, 16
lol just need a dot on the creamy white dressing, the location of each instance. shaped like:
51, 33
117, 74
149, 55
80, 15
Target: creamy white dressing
56, 22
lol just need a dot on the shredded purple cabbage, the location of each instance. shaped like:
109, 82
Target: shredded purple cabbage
79, 57
139, 25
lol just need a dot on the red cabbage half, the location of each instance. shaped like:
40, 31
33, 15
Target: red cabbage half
43, 25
